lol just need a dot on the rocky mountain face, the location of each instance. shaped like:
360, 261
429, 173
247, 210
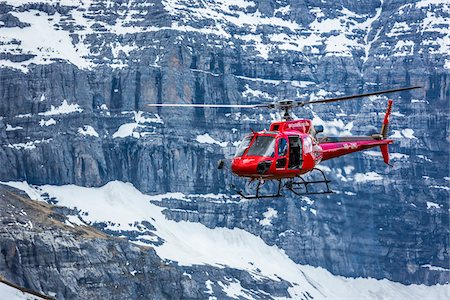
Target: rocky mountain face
76, 76
43, 251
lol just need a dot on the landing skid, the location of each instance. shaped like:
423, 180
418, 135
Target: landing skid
299, 188
302, 188
257, 194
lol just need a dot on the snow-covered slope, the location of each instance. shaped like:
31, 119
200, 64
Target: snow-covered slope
72, 30
123, 208
9, 293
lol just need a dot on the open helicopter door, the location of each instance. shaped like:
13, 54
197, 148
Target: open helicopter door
295, 152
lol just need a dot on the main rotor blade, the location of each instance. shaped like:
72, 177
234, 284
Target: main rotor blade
207, 105
359, 96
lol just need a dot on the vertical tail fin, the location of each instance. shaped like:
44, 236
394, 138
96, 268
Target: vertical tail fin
385, 126
384, 133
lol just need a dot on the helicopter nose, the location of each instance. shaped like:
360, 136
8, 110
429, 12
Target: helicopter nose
250, 166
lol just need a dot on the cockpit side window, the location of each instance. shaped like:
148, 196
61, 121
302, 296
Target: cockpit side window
243, 146
282, 147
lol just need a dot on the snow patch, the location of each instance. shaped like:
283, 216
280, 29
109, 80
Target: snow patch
88, 130
64, 108
10, 293
366, 177
49, 122
28, 145
431, 205
10, 128
269, 215
207, 139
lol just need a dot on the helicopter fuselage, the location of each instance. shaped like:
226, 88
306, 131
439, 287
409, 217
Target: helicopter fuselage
292, 148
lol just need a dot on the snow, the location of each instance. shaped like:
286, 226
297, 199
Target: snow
64, 108
404, 133
399, 156
10, 293
42, 39
441, 187
28, 145
369, 176
434, 268
207, 139
333, 128
431, 205
424, 158
88, 130
254, 93
235, 290
121, 204
269, 215
75, 220
404, 48
10, 128
408, 133
447, 64
49, 122
128, 129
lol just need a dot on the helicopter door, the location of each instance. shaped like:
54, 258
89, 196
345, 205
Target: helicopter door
295, 152
282, 152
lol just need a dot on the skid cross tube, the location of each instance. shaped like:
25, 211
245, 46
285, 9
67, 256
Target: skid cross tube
257, 195
290, 185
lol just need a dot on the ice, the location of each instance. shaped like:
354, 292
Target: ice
269, 215
193, 243
207, 139
64, 108
88, 130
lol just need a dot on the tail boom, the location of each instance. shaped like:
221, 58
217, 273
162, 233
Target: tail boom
336, 149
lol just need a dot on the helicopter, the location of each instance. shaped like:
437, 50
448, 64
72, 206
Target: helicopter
292, 148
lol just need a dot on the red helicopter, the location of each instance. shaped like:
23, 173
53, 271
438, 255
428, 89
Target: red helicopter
292, 148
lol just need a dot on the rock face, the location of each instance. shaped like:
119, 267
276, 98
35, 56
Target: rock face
40, 250
72, 107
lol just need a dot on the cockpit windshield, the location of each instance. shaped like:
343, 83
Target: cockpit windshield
263, 146
243, 146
